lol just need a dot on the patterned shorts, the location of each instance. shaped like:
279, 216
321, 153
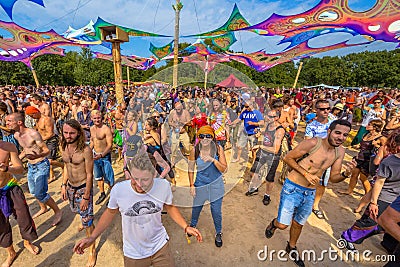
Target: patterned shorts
75, 196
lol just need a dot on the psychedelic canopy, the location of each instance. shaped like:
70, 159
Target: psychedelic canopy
223, 41
135, 62
132, 32
235, 22
53, 50
24, 43
381, 22
207, 63
8, 5
262, 61
199, 47
162, 52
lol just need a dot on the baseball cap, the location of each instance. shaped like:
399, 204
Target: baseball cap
133, 144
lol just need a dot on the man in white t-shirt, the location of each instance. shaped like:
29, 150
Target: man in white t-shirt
140, 200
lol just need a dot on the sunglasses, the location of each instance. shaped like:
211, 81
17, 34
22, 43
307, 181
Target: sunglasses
343, 98
272, 116
246, 106
208, 136
157, 117
322, 109
377, 102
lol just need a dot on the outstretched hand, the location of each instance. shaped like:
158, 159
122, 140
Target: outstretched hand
194, 232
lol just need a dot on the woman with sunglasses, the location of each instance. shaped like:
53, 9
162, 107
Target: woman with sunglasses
210, 162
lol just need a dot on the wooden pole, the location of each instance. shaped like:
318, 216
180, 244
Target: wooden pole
298, 74
35, 77
177, 9
119, 87
206, 74
127, 75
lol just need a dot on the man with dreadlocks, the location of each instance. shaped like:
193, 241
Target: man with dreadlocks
77, 185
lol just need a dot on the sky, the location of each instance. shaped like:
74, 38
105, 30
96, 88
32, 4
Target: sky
196, 16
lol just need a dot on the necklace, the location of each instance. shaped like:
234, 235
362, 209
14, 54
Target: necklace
71, 155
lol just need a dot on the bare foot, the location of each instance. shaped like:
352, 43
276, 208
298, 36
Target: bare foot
31, 247
235, 160
92, 259
345, 192
40, 212
11, 257
80, 228
57, 218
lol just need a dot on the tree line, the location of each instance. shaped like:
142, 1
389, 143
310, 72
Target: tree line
373, 69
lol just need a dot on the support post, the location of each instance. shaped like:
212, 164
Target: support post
206, 74
177, 9
298, 74
119, 87
127, 76
35, 77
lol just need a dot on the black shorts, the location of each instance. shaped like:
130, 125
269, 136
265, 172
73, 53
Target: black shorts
363, 165
264, 157
52, 144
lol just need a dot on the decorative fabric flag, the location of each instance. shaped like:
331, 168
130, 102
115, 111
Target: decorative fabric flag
381, 22
24, 42
8, 5
162, 52
206, 63
224, 41
199, 47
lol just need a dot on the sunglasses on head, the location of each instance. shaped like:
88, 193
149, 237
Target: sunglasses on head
208, 136
322, 109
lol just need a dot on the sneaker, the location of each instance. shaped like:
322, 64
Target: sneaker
218, 240
266, 200
102, 197
252, 192
294, 255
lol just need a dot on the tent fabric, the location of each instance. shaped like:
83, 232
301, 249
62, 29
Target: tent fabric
232, 81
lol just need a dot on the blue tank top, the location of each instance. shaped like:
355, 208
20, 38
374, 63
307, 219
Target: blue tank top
207, 172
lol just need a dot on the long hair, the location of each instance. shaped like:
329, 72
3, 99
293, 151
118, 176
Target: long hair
393, 142
81, 135
214, 148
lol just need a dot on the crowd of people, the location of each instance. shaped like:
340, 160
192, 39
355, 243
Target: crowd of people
80, 130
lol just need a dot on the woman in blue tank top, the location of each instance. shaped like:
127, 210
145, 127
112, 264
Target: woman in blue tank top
210, 162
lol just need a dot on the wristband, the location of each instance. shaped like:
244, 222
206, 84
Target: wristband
186, 227
372, 203
86, 198
305, 173
344, 175
63, 185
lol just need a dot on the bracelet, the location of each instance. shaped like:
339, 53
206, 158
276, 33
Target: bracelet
86, 198
375, 204
344, 175
186, 227
63, 185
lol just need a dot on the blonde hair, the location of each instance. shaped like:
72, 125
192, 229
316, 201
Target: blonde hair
96, 112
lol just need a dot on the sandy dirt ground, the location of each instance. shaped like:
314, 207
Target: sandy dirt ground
244, 222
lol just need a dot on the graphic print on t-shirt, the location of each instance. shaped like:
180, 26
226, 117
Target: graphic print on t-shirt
143, 207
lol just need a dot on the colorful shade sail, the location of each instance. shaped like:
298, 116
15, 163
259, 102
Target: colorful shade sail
8, 5
199, 47
24, 43
52, 50
162, 52
206, 63
132, 32
262, 61
224, 41
381, 22
135, 62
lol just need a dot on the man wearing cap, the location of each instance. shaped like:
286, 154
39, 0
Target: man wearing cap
36, 151
45, 127
161, 107
253, 120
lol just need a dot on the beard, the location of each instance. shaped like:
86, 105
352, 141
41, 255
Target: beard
73, 141
331, 142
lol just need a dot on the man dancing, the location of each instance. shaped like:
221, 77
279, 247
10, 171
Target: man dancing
309, 160
12, 201
35, 150
77, 184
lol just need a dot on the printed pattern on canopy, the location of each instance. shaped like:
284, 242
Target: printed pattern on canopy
135, 62
206, 63
25, 42
224, 41
262, 61
381, 22
132, 32
8, 5
199, 47
52, 50
162, 52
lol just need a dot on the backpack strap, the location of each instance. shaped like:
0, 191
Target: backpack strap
312, 151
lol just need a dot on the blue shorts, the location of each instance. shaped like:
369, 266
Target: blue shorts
295, 204
38, 174
103, 169
325, 177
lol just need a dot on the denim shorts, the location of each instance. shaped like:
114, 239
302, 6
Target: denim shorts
38, 174
102, 168
296, 203
325, 177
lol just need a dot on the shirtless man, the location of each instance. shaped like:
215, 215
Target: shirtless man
77, 185
119, 116
10, 164
36, 151
38, 102
176, 120
101, 140
45, 127
309, 160
76, 106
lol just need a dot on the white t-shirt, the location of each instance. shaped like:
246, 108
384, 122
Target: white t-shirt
142, 230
